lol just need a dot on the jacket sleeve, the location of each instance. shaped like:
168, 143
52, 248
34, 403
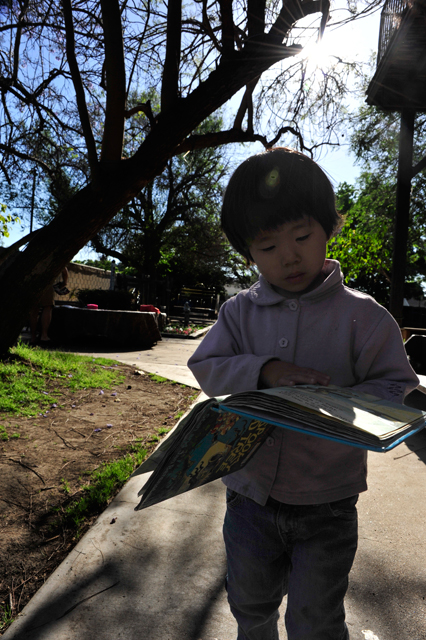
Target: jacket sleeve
382, 363
219, 364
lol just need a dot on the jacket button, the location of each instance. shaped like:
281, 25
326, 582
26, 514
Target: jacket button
270, 442
293, 306
283, 342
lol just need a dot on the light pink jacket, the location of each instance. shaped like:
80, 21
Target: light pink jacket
333, 329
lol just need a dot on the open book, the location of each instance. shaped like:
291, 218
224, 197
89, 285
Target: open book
220, 435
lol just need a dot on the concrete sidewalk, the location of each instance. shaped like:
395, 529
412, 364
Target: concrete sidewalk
167, 358
158, 574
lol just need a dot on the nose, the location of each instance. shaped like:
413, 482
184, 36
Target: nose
290, 255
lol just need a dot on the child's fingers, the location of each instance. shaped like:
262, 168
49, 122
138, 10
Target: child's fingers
277, 373
300, 377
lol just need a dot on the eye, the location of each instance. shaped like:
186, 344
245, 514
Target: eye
302, 238
268, 248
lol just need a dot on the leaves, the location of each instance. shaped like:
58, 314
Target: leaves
5, 220
365, 244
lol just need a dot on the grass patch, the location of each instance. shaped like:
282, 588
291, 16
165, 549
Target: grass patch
155, 378
163, 430
6, 617
104, 484
25, 376
5, 436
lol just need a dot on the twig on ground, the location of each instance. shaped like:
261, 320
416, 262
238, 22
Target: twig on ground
66, 443
79, 432
15, 504
50, 539
27, 467
64, 465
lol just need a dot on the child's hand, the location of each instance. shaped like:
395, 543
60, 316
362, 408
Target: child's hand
276, 373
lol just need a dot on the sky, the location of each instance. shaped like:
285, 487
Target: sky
360, 38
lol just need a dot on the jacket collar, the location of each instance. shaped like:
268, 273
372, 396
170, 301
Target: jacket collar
262, 294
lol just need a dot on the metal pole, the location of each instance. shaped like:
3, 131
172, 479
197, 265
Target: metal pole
32, 201
402, 218
112, 276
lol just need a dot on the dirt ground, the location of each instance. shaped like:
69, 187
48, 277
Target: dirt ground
45, 467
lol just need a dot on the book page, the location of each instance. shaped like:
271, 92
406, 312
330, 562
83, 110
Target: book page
342, 400
361, 410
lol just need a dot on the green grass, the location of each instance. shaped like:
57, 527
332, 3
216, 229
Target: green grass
65, 486
26, 373
163, 430
6, 618
159, 379
24, 391
5, 436
104, 484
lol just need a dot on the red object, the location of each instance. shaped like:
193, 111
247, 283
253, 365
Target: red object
149, 308
92, 306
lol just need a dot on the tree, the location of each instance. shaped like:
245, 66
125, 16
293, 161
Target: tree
170, 231
364, 247
375, 137
61, 64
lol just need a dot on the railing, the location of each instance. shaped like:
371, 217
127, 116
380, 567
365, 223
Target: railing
389, 22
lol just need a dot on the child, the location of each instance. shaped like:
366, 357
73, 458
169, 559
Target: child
291, 521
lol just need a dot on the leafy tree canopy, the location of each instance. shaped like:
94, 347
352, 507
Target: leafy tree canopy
364, 246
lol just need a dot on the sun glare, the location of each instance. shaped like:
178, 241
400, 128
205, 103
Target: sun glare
336, 44
318, 55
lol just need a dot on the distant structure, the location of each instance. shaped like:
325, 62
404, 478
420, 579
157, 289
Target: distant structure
399, 84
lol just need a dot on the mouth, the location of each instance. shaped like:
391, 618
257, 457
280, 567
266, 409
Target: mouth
295, 276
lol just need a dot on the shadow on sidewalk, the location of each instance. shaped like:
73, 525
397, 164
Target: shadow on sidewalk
102, 606
156, 574
388, 601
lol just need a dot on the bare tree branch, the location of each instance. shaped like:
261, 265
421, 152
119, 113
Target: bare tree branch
419, 167
26, 156
290, 13
5, 253
170, 85
112, 143
79, 89
246, 105
325, 8
18, 42
141, 40
142, 108
207, 26
100, 247
255, 17
235, 135
227, 27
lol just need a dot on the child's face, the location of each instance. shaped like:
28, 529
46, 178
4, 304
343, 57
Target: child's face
292, 256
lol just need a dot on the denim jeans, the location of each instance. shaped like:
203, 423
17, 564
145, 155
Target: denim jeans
278, 549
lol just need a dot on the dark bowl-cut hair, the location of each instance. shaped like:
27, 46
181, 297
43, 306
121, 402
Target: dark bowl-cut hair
274, 187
